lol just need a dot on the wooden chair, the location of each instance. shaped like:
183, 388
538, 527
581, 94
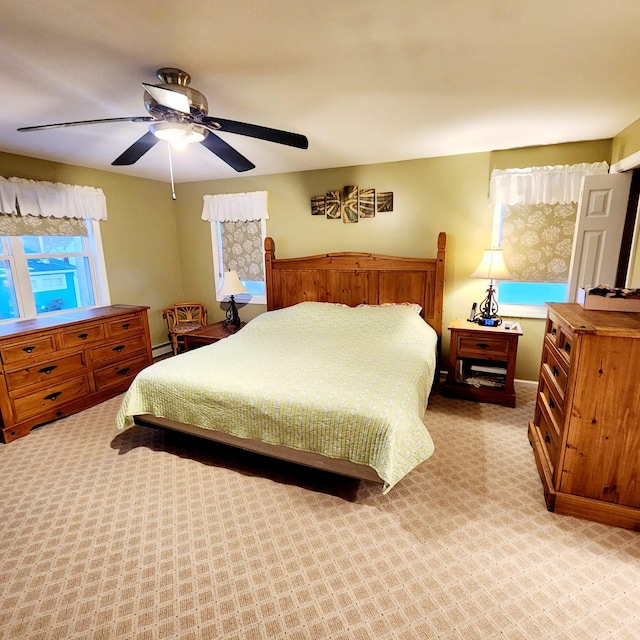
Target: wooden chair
181, 318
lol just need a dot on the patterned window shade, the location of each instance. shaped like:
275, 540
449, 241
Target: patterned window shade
18, 225
537, 241
242, 249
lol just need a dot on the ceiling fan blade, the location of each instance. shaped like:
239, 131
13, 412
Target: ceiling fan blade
227, 153
82, 122
168, 98
136, 150
255, 131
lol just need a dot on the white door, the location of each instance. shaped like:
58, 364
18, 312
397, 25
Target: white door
596, 245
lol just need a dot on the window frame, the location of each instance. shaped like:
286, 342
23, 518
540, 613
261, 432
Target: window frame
218, 266
11, 251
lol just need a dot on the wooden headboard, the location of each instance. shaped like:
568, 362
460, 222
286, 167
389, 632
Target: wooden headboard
356, 278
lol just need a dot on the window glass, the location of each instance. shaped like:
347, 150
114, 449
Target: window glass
8, 303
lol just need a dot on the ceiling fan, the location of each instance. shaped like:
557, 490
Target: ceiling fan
179, 113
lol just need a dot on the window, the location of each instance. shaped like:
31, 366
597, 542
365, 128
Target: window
239, 246
49, 265
238, 231
534, 223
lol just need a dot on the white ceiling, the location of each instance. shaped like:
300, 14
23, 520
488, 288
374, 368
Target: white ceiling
366, 81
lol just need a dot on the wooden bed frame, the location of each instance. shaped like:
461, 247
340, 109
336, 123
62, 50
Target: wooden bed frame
347, 278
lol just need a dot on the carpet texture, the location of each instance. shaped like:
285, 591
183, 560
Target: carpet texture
145, 535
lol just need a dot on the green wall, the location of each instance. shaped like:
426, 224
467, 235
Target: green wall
626, 142
138, 238
430, 195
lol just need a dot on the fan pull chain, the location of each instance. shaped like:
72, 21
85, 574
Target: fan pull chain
173, 186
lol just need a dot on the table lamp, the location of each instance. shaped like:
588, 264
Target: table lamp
231, 286
491, 267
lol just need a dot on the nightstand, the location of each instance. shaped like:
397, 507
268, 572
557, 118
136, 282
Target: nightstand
482, 362
208, 335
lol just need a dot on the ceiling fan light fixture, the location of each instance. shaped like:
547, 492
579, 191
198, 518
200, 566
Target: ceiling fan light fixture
177, 133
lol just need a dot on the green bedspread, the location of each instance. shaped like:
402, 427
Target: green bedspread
348, 383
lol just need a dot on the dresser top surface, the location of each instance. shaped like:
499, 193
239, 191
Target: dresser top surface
595, 321
16, 327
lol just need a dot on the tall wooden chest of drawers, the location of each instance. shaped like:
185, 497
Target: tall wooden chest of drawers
586, 428
55, 366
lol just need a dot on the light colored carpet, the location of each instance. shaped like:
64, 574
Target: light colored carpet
138, 534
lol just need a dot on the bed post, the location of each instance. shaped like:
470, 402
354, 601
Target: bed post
440, 271
269, 256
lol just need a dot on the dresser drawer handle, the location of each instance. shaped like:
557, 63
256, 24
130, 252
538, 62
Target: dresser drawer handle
48, 369
556, 373
123, 372
567, 347
83, 336
29, 349
119, 348
482, 345
126, 325
53, 396
552, 404
547, 438
554, 331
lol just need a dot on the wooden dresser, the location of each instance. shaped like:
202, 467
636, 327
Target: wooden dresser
55, 366
586, 428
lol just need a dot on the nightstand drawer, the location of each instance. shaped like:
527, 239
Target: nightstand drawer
482, 346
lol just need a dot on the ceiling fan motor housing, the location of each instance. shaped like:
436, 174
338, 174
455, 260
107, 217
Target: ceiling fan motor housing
176, 80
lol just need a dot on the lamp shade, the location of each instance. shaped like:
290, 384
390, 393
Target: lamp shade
231, 285
492, 266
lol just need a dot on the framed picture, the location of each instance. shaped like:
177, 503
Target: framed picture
333, 205
350, 204
385, 201
367, 203
317, 205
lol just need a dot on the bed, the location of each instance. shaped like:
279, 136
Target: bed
335, 375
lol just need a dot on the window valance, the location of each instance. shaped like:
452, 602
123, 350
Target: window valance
51, 199
236, 207
558, 184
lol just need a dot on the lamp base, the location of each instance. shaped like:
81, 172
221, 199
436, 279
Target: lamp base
232, 319
488, 315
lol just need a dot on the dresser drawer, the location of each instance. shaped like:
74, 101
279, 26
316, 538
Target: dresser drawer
549, 431
118, 350
114, 374
27, 350
547, 395
565, 344
82, 335
474, 346
43, 372
34, 404
555, 366
125, 326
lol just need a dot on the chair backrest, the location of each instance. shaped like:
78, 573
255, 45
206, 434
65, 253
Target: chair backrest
185, 313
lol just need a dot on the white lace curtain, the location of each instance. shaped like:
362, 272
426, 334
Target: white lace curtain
558, 184
51, 199
236, 207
